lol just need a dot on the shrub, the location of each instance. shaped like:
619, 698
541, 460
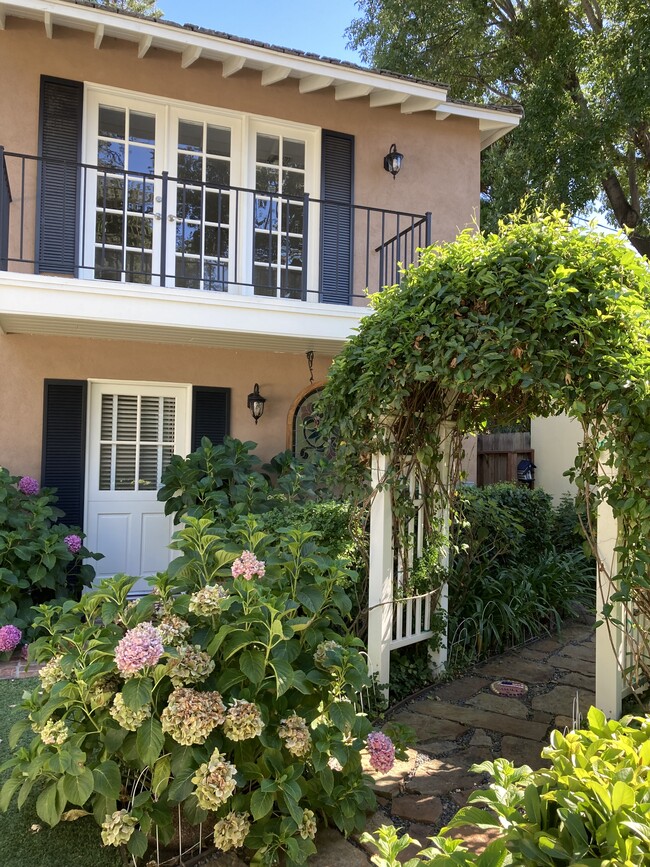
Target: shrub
591, 807
500, 524
519, 602
231, 696
568, 518
228, 480
40, 559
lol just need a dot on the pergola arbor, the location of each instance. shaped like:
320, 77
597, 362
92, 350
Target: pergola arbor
538, 319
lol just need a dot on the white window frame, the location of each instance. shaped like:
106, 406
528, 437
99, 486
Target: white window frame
244, 128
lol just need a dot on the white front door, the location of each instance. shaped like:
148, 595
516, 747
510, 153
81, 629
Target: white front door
134, 430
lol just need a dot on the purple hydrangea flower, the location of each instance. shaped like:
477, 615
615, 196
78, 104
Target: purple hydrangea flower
74, 543
28, 485
248, 565
382, 751
140, 647
9, 637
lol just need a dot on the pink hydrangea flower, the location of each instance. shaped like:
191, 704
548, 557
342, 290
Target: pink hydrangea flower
248, 565
9, 637
73, 543
382, 751
140, 647
28, 485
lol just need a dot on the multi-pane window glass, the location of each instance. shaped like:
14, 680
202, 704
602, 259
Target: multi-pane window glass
203, 206
278, 219
136, 441
125, 195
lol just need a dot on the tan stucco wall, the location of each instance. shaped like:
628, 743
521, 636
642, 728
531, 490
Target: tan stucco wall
555, 441
26, 361
441, 165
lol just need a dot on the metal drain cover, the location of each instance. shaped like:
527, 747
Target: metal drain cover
511, 688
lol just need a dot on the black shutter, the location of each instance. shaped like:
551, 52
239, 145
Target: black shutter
58, 189
337, 186
210, 414
64, 445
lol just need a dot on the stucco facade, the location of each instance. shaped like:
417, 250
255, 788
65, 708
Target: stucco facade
105, 335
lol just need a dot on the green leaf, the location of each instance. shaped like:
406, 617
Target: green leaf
137, 844
622, 795
253, 665
79, 788
181, 786
149, 741
8, 790
283, 675
161, 773
342, 715
107, 779
137, 692
261, 804
50, 804
17, 730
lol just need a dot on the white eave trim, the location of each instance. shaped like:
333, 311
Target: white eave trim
274, 64
99, 307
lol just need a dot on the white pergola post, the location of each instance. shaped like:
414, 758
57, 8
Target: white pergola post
438, 658
610, 638
380, 577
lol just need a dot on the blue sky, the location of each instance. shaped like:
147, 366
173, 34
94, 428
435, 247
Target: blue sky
303, 24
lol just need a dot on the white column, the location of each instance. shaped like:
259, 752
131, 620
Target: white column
380, 578
438, 658
610, 644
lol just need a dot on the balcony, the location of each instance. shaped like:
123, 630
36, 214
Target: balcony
108, 225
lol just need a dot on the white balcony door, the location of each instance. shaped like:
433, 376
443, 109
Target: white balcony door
123, 219
197, 198
133, 431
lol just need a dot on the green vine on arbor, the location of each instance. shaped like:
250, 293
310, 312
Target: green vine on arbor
537, 319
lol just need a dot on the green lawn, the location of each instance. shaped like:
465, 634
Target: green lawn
74, 844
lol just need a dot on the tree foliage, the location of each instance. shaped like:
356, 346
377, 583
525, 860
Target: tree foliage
139, 7
580, 68
538, 319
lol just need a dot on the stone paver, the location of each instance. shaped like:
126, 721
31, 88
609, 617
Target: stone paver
522, 751
335, 851
477, 718
572, 663
560, 700
418, 808
500, 704
459, 690
579, 681
480, 738
577, 632
426, 728
512, 666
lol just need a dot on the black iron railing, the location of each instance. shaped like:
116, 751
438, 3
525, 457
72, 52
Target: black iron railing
104, 222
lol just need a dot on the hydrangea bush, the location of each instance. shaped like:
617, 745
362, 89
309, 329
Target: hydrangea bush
40, 559
228, 690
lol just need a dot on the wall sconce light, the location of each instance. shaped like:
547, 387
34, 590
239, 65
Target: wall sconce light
393, 161
256, 403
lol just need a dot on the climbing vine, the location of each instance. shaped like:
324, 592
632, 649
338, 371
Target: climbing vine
537, 319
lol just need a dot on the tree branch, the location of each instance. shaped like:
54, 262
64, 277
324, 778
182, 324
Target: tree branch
632, 179
625, 214
594, 14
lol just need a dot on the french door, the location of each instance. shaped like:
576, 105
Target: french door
133, 431
196, 199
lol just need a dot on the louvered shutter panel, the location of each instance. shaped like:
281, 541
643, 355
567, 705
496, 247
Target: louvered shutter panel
64, 445
58, 207
337, 186
210, 414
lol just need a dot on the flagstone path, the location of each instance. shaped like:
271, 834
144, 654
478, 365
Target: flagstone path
456, 725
